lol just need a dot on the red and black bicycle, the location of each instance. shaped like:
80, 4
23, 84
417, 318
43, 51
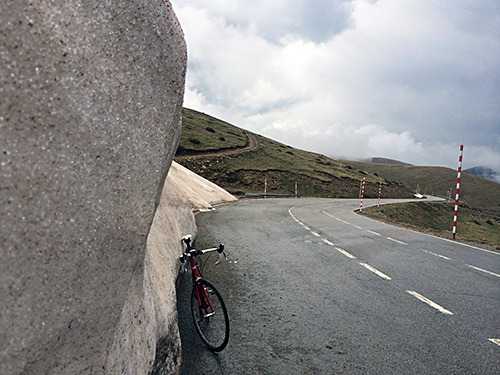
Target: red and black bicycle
207, 307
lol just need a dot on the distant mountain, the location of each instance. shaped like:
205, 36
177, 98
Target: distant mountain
484, 172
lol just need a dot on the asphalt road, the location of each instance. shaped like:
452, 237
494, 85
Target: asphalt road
313, 288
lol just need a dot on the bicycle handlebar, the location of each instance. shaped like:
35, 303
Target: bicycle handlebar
190, 252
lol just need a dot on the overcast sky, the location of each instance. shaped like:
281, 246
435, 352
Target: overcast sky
404, 79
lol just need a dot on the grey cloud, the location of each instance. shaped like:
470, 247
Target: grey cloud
316, 20
424, 73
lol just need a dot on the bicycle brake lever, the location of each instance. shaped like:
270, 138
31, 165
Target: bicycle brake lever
222, 255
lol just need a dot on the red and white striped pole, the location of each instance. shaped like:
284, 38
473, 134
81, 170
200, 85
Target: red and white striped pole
458, 190
362, 193
379, 193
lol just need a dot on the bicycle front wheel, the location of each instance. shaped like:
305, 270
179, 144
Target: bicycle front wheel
210, 316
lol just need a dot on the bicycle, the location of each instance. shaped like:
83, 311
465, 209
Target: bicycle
207, 307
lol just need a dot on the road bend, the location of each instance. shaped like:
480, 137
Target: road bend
313, 288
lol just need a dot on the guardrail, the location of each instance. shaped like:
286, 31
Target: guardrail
272, 195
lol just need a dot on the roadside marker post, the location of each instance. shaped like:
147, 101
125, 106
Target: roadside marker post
458, 190
265, 185
379, 193
362, 193
296, 194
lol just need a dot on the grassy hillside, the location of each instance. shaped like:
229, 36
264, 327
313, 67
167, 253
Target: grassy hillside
475, 191
239, 161
437, 219
201, 132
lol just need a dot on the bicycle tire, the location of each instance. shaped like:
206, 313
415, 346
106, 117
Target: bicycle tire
213, 330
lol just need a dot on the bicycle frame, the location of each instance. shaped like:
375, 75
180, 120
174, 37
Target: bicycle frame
203, 299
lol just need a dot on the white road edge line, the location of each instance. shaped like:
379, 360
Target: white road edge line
430, 303
495, 341
398, 241
372, 232
437, 255
349, 255
375, 271
480, 269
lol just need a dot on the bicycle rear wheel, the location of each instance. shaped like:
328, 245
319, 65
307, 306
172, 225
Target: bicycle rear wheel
210, 316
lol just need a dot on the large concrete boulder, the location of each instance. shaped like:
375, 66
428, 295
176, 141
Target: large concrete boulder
90, 106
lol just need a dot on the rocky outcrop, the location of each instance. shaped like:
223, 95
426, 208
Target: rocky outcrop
91, 96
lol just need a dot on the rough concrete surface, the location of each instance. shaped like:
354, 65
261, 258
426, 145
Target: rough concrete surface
149, 318
90, 104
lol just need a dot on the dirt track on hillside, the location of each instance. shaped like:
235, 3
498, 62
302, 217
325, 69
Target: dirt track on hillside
251, 145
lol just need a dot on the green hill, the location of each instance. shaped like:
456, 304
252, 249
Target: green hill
240, 161
201, 132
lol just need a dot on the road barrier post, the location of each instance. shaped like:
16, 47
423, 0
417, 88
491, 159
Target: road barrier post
458, 190
362, 193
379, 193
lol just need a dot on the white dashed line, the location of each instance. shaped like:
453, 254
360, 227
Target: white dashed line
375, 233
349, 255
480, 269
342, 221
495, 341
326, 213
356, 226
306, 227
430, 303
437, 255
398, 241
375, 271
315, 234
328, 242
